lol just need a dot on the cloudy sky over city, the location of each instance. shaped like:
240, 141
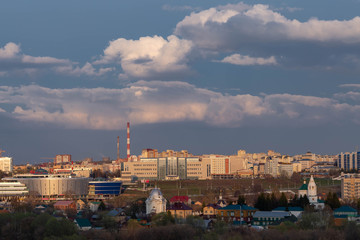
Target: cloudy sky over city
207, 76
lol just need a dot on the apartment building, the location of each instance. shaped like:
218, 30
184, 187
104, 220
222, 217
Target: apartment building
350, 186
349, 161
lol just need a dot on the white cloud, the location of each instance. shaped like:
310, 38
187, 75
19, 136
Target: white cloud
260, 31
155, 102
148, 56
238, 59
12, 60
10, 50
168, 7
260, 20
350, 85
87, 70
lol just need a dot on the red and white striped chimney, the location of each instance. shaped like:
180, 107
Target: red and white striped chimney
128, 140
118, 148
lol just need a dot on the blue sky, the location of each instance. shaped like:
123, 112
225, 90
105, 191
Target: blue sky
207, 76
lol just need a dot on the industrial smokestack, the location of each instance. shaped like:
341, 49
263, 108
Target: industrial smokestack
118, 148
128, 140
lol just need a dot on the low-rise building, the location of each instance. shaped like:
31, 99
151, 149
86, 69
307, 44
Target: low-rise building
266, 218
296, 211
232, 212
83, 224
11, 189
180, 210
63, 205
211, 210
344, 214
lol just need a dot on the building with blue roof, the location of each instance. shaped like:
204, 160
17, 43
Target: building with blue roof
296, 211
232, 212
266, 218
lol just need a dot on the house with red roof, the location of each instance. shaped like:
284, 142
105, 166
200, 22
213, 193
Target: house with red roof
183, 199
63, 205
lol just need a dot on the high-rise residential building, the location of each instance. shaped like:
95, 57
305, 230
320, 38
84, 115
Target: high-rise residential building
62, 159
350, 186
349, 161
6, 164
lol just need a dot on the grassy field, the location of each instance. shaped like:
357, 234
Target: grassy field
209, 190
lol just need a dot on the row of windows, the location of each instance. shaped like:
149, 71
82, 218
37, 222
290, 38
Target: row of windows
145, 169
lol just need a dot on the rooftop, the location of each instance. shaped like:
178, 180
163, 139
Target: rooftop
345, 209
237, 207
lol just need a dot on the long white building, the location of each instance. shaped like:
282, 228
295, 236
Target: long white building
47, 185
13, 188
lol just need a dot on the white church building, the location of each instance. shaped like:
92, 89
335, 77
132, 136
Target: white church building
310, 190
155, 203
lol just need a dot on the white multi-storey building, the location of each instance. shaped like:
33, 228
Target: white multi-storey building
6, 164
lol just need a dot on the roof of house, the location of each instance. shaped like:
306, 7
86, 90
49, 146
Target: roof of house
115, 212
221, 201
304, 187
345, 209
63, 203
291, 209
179, 199
237, 207
179, 206
215, 206
271, 214
83, 222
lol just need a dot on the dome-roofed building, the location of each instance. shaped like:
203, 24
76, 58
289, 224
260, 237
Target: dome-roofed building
155, 203
310, 190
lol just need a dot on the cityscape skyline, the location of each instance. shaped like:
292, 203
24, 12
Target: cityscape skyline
201, 76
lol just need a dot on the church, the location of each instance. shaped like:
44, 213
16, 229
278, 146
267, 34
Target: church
310, 191
155, 203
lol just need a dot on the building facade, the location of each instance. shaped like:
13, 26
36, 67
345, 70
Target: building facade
62, 159
53, 185
155, 203
167, 168
349, 161
350, 186
104, 188
6, 164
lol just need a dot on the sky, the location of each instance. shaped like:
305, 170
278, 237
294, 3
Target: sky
208, 76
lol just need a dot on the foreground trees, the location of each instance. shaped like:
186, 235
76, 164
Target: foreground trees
30, 226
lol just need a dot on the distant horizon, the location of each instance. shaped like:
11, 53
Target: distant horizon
203, 76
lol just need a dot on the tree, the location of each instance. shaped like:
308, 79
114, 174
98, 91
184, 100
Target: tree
273, 202
336, 202
332, 200
163, 219
283, 200
295, 202
108, 223
241, 200
304, 201
261, 202
316, 220
60, 228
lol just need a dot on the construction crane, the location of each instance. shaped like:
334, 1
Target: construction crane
1, 151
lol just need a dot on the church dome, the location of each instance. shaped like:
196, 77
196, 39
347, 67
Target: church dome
155, 193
